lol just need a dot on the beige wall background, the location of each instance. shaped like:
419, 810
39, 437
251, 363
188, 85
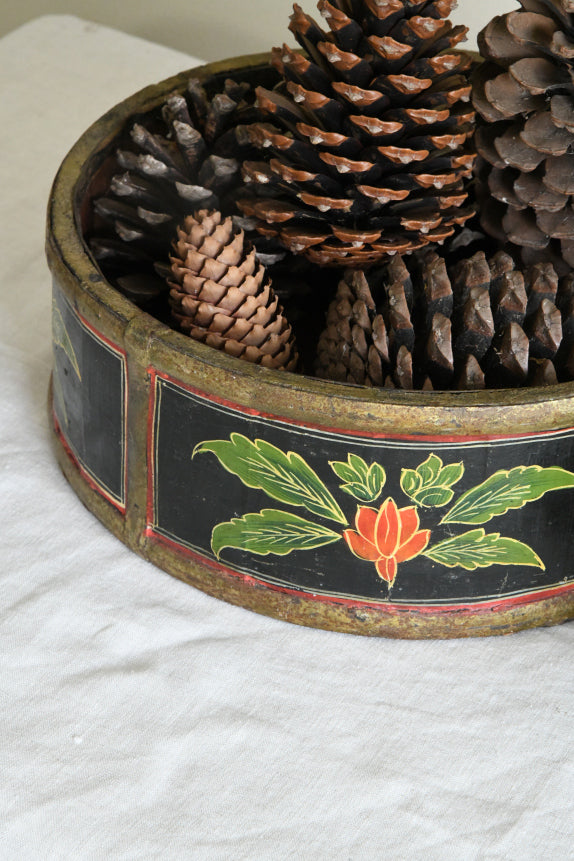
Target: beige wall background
209, 29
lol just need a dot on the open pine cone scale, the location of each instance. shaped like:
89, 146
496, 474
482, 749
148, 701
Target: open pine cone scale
524, 94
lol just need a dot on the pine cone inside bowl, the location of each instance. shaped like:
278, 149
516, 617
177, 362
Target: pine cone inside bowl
524, 95
368, 141
221, 294
417, 323
184, 157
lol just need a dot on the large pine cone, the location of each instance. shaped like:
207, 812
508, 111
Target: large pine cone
524, 94
368, 145
181, 158
221, 294
481, 324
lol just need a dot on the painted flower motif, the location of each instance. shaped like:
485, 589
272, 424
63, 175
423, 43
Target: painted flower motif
387, 536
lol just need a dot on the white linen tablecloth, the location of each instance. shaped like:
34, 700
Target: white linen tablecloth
143, 719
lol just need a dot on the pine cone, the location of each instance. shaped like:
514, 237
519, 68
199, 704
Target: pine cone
417, 324
181, 158
524, 95
221, 294
369, 136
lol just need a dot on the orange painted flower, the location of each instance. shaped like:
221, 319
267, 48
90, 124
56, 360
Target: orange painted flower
387, 536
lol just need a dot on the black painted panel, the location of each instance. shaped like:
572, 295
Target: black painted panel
194, 494
89, 395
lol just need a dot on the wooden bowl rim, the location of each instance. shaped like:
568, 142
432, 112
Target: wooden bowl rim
295, 397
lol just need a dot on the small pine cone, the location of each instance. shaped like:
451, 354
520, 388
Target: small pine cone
221, 295
367, 146
178, 159
525, 136
354, 346
418, 323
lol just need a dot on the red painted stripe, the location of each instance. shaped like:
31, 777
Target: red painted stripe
393, 609
99, 335
150, 507
250, 411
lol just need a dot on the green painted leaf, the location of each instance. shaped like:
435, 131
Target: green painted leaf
61, 338
430, 469
430, 484
410, 481
476, 549
450, 474
376, 480
507, 489
358, 491
282, 476
433, 496
358, 464
271, 531
342, 470
363, 482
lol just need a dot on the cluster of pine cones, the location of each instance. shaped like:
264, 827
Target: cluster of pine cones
416, 324
365, 155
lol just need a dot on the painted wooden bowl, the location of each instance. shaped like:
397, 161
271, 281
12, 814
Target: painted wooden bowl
391, 513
